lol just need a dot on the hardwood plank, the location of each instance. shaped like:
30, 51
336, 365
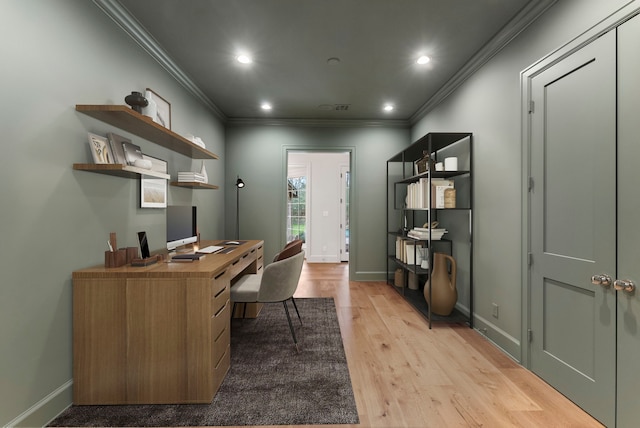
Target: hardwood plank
407, 375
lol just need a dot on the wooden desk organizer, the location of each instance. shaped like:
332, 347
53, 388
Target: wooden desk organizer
120, 257
148, 261
113, 259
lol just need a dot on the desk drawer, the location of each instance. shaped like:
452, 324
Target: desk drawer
221, 368
219, 292
220, 321
220, 345
242, 263
219, 301
259, 258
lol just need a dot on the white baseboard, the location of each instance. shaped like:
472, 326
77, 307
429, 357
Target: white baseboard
47, 409
322, 259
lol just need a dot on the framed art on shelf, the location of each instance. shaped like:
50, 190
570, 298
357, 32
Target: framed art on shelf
100, 149
163, 109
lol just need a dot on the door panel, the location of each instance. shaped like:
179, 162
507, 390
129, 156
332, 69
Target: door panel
573, 226
557, 326
628, 227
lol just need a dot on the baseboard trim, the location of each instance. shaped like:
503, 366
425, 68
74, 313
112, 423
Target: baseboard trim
370, 276
500, 338
47, 409
322, 259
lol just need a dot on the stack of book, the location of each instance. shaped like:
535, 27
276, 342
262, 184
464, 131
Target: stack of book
423, 233
419, 196
191, 176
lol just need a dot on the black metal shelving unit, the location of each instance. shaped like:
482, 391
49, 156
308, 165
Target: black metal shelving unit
400, 174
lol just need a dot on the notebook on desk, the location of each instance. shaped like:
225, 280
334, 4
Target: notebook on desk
187, 257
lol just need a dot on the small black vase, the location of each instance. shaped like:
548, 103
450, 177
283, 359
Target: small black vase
136, 100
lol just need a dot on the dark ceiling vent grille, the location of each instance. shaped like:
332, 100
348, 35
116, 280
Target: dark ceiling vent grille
341, 107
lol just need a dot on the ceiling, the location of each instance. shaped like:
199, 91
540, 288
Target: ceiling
324, 59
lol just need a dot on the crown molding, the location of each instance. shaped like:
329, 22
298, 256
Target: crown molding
519, 23
319, 123
137, 32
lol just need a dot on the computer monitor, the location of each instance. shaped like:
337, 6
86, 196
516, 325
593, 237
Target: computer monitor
182, 226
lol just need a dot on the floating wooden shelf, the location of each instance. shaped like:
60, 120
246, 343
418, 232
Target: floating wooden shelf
194, 185
119, 170
129, 120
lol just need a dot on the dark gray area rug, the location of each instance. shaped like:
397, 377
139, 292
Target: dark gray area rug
269, 383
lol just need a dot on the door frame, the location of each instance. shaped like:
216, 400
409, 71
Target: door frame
344, 214
526, 77
351, 151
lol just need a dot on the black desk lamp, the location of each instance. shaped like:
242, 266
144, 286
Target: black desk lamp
239, 185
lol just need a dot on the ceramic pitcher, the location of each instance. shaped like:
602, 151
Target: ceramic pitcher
443, 284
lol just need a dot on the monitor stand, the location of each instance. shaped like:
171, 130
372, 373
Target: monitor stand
186, 248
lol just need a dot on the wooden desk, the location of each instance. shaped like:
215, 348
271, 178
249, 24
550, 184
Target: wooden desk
156, 334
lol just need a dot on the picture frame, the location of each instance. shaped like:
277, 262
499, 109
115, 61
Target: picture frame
163, 109
153, 193
100, 149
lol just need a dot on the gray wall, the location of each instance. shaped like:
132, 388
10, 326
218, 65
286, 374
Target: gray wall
488, 104
258, 155
54, 219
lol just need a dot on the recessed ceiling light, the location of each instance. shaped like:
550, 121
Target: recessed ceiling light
333, 61
388, 107
266, 106
423, 59
244, 59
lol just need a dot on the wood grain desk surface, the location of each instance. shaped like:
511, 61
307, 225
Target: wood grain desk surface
207, 265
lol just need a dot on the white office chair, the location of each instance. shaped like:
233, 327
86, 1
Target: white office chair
277, 283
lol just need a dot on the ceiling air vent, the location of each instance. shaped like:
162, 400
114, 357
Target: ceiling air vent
341, 107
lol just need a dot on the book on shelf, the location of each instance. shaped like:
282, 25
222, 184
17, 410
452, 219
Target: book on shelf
423, 233
192, 176
117, 149
420, 196
132, 152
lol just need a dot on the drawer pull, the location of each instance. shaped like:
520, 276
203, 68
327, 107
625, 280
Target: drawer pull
219, 334
219, 275
220, 292
220, 310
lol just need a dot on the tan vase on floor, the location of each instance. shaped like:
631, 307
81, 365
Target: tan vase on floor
444, 293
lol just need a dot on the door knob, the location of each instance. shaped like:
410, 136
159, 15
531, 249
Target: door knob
604, 280
625, 285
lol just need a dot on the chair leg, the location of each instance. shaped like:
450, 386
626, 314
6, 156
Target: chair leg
293, 334
296, 306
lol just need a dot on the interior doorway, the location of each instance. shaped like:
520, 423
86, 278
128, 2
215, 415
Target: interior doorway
317, 211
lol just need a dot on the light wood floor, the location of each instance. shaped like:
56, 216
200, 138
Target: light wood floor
405, 375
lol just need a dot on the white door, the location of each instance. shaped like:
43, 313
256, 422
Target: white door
573, 227
628, 226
